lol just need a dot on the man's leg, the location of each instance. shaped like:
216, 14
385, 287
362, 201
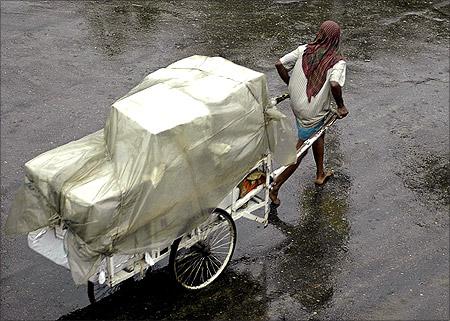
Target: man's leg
318, 148
284, 175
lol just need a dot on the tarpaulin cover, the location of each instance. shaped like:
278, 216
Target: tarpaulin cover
171, 150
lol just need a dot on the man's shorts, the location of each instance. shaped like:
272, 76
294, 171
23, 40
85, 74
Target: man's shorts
304, 133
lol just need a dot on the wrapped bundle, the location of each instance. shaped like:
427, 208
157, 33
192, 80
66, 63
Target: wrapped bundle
171, 150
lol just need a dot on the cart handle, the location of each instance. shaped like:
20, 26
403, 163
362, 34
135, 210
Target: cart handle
331, 118
279, 99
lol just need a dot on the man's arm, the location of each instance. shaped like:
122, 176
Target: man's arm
283, 72
336, 90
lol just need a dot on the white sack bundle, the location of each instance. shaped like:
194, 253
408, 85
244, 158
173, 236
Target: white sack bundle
172, 149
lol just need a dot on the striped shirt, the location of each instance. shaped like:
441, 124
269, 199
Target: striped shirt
310, 113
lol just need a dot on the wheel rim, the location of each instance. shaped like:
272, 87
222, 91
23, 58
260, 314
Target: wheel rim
97, 292
198, 265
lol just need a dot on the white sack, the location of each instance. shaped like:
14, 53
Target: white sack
172, 149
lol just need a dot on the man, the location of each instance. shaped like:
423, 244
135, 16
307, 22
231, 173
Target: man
317, 73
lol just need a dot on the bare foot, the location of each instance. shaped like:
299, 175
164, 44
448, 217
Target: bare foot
273, 195
320, 180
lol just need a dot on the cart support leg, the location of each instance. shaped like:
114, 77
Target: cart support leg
110, 268
266, 206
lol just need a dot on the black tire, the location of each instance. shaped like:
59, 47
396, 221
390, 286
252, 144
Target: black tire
97, 292
198, 265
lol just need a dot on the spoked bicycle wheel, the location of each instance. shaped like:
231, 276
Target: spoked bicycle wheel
197, 260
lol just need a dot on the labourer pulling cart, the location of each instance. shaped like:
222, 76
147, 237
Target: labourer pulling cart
317, 72
183, 154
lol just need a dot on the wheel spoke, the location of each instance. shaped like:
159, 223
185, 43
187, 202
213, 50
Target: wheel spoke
221, 245
188, 263
220, 252
214, 266
218, 241
206, 256
217, 259
202, 279
218, 233
207, 266
199, 266
210, 224
190, 260
186, 266
215, 226
189, 256
192, 270
185, 262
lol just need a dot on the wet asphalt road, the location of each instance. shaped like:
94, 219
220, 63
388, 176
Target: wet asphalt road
373, 244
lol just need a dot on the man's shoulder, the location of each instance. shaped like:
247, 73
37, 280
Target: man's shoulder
340, 64
289, 59
302, 47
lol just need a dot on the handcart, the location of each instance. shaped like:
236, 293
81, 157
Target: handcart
196, 258
182, 156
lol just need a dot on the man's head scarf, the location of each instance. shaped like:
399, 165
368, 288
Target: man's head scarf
320, 55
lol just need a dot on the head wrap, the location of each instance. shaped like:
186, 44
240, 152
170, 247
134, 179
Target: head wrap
320, 55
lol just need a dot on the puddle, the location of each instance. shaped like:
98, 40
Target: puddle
255, 29
428, 175
315, 246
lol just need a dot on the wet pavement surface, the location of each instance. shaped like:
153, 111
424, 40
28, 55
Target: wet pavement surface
373, 244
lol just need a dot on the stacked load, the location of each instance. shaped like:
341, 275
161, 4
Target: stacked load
171, 150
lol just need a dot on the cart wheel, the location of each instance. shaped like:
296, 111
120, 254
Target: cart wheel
97, 291
196, 265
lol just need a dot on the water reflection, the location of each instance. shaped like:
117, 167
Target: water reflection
112, 26
315, 246
249, 32
157, 298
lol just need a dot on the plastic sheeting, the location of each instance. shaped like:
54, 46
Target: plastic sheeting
171, 150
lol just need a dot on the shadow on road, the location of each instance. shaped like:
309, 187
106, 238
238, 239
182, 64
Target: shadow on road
157, 297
